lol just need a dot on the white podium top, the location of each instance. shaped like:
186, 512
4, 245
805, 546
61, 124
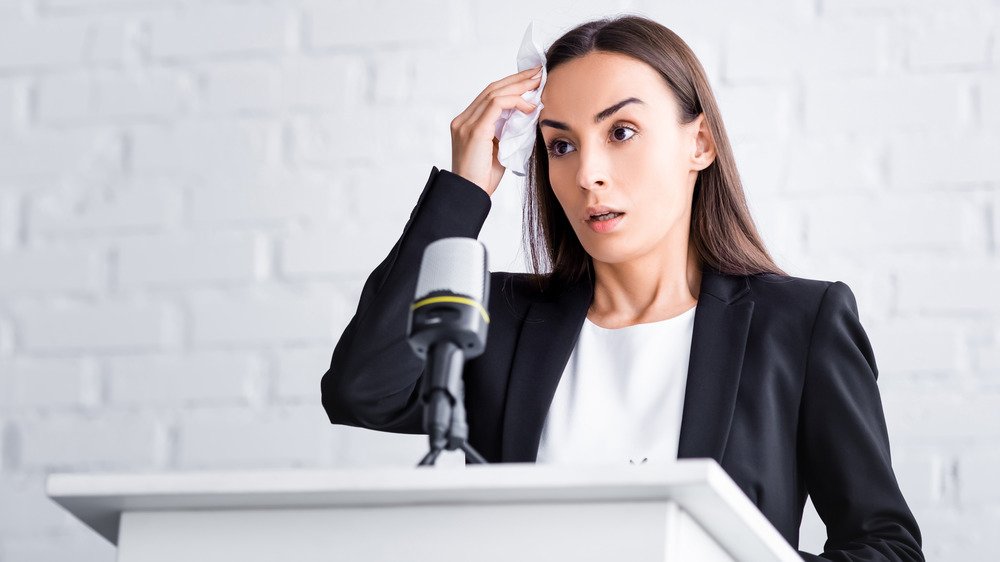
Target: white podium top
699, 486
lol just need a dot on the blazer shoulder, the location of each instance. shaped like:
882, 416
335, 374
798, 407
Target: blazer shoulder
788, 290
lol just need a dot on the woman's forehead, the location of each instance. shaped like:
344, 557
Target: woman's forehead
584, 97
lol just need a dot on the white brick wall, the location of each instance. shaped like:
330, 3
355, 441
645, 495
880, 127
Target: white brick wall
226, 437
43, 44
109, 96
184, 148
108, 325
47, 384
232, 30
8, 102
42, 158
192, 194
147, 207
197, 379
47, 270
113, 441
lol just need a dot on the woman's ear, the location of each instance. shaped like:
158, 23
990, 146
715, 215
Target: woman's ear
703, 144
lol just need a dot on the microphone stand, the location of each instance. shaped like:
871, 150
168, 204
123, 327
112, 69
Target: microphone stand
443, 394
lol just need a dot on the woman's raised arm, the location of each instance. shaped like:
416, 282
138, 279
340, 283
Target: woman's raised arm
373, 379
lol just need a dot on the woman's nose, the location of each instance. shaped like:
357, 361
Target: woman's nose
592, 173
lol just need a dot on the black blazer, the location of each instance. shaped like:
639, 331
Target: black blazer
781, 387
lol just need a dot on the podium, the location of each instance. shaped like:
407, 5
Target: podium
688, 509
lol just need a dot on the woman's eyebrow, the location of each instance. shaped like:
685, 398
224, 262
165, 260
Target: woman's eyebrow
604, 114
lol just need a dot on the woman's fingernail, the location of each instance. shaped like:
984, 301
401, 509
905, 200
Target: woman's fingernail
538, 74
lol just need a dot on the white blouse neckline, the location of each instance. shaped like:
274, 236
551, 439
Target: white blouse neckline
645, 325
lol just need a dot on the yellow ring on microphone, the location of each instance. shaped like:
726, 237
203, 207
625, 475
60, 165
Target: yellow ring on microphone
461, 300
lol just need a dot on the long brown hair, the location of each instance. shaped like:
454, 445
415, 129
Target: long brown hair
722, 230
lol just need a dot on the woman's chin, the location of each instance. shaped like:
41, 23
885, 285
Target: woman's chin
606, 253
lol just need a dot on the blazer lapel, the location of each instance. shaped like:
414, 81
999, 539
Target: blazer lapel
547, 339
721, 327
550, 332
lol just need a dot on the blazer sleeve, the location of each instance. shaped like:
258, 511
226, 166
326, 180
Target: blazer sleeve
374, 376
844, 443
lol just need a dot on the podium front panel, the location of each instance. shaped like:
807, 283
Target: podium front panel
581, 531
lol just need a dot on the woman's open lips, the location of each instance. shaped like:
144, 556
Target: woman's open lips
605, 223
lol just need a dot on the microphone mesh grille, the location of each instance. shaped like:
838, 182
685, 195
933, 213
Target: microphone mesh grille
453, 264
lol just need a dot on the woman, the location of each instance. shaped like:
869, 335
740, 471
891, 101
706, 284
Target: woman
662, 328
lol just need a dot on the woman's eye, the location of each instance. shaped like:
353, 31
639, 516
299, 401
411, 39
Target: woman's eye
553, 151
614, 133
619, 133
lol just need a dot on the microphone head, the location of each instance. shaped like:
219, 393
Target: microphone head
456, 265
451, 299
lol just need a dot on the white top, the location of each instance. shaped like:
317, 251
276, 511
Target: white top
621, 395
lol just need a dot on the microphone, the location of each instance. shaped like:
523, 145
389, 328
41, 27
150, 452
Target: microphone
447, 325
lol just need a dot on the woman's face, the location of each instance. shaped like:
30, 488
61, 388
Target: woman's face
611, 125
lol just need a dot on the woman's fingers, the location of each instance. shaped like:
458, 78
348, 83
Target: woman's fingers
484, 122
501, 87
504, 85
515, 89
473, 132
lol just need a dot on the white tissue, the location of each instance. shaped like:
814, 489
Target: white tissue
515, 129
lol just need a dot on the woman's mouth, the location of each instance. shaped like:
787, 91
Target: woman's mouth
605, 223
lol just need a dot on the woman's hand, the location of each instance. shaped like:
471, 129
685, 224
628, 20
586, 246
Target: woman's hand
474, 145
